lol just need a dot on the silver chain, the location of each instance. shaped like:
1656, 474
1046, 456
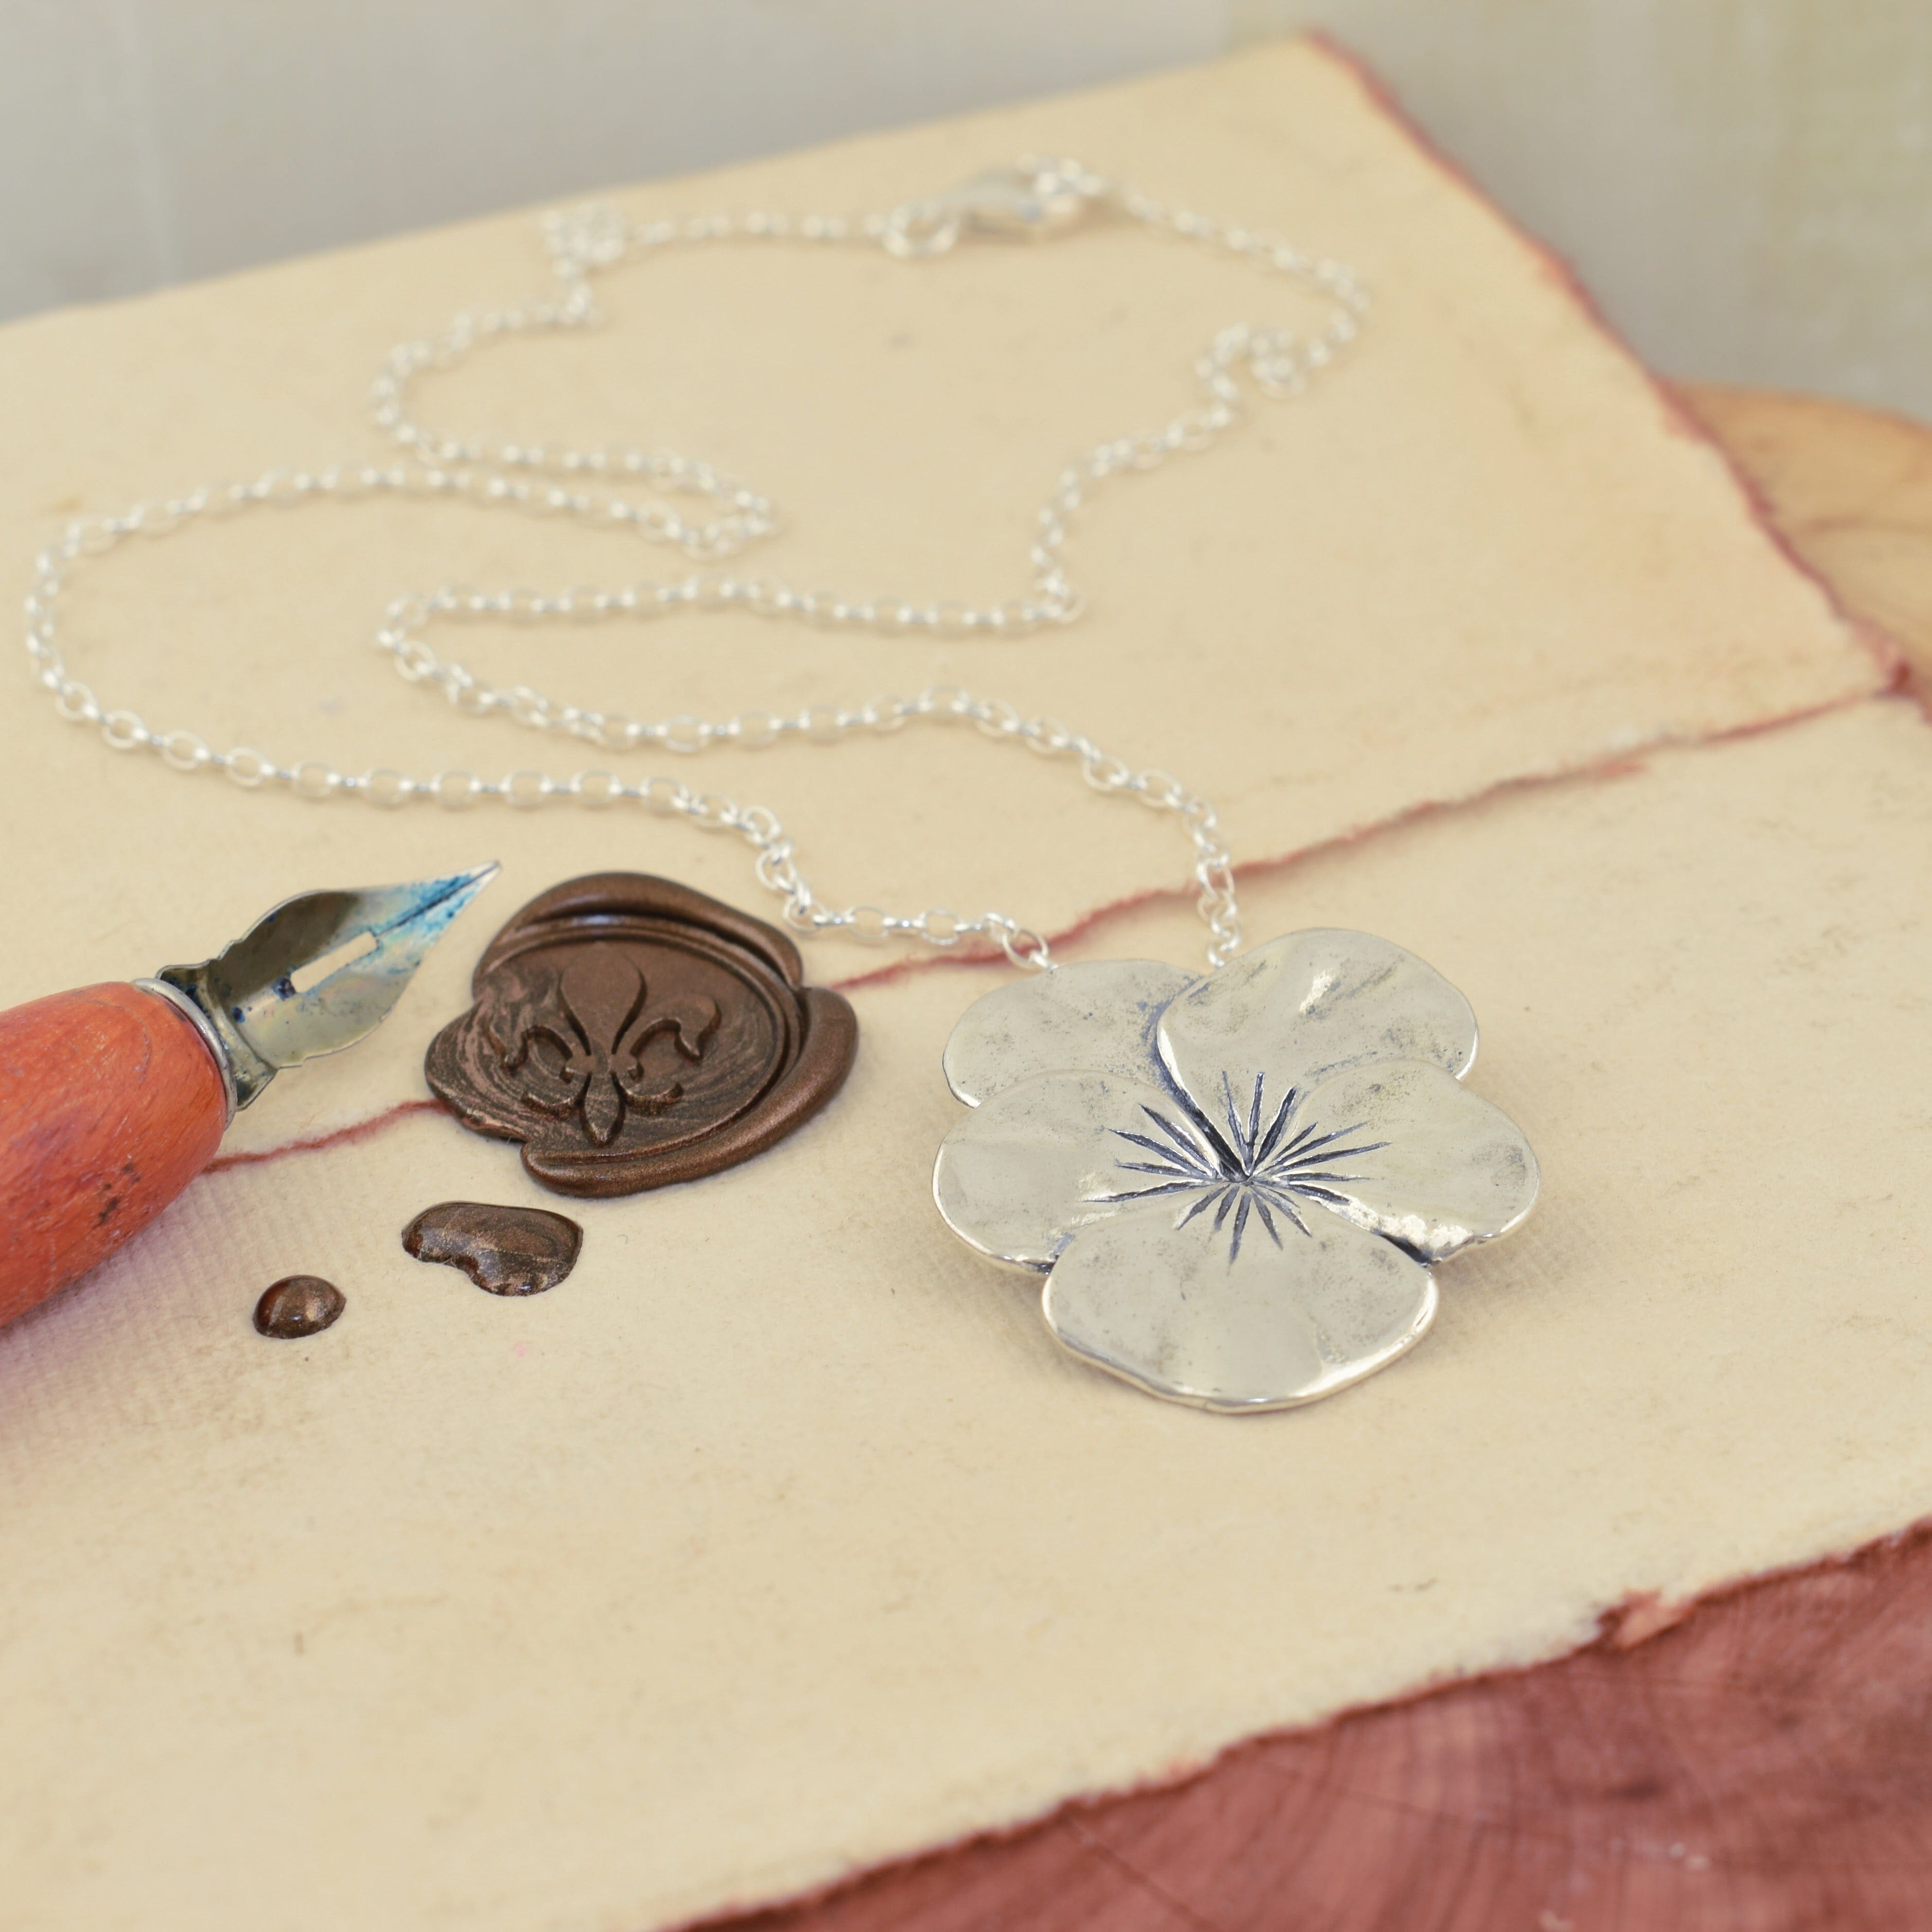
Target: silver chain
1033, 198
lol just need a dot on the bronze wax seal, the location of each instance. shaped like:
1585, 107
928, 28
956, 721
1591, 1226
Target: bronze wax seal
631, 1032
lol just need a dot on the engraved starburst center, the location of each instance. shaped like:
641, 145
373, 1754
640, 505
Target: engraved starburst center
1238, 1168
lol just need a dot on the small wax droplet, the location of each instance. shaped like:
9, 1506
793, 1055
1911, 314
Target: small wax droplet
506, 1250
299, 1304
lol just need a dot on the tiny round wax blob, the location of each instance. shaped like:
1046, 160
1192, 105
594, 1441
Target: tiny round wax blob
299, 1304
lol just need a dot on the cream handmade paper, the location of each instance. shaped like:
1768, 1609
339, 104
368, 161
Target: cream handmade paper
780, 1539
1483, 547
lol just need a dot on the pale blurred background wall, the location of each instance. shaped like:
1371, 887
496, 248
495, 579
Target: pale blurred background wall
1746, 185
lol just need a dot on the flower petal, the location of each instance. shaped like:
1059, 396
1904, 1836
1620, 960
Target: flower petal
1098, 1018
1302, 1009
1020, 1175
1400, 1148
1282, 1318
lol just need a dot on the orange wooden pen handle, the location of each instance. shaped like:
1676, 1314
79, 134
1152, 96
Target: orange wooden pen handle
110, 1104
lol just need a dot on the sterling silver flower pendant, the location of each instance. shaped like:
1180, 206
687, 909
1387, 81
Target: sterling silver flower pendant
1236, 1185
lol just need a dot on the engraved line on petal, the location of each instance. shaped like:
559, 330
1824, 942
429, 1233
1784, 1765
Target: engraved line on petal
1280, 1121
1268, 1219
1322, 1149
1153, 1147
1208, 1199
1327, 1196
1174, 1133
1280, 1199
1301, 1170
1145, 1193
1297, 1142
1231, 1162
1241, 1222
1235, 1135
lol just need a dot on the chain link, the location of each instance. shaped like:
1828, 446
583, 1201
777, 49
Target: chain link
600, 486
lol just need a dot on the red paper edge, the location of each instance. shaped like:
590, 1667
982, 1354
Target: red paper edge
1636, 1620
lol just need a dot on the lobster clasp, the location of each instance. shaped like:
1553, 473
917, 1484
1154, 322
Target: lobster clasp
1027, 201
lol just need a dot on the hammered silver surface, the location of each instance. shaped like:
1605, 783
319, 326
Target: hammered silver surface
1304, 1007
1280, 1320
1240, 1190
1022, 1173
1095, 1018
1401, 1148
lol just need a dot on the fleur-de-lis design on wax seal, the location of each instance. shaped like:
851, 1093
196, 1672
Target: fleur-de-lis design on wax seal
631, 1032
597, 1031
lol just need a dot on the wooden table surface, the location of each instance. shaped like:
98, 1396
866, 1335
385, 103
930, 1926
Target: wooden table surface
1760, 1765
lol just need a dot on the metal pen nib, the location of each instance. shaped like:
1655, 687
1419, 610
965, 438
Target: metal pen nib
316, 974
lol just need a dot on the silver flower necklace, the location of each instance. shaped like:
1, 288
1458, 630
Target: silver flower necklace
1235, 1184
